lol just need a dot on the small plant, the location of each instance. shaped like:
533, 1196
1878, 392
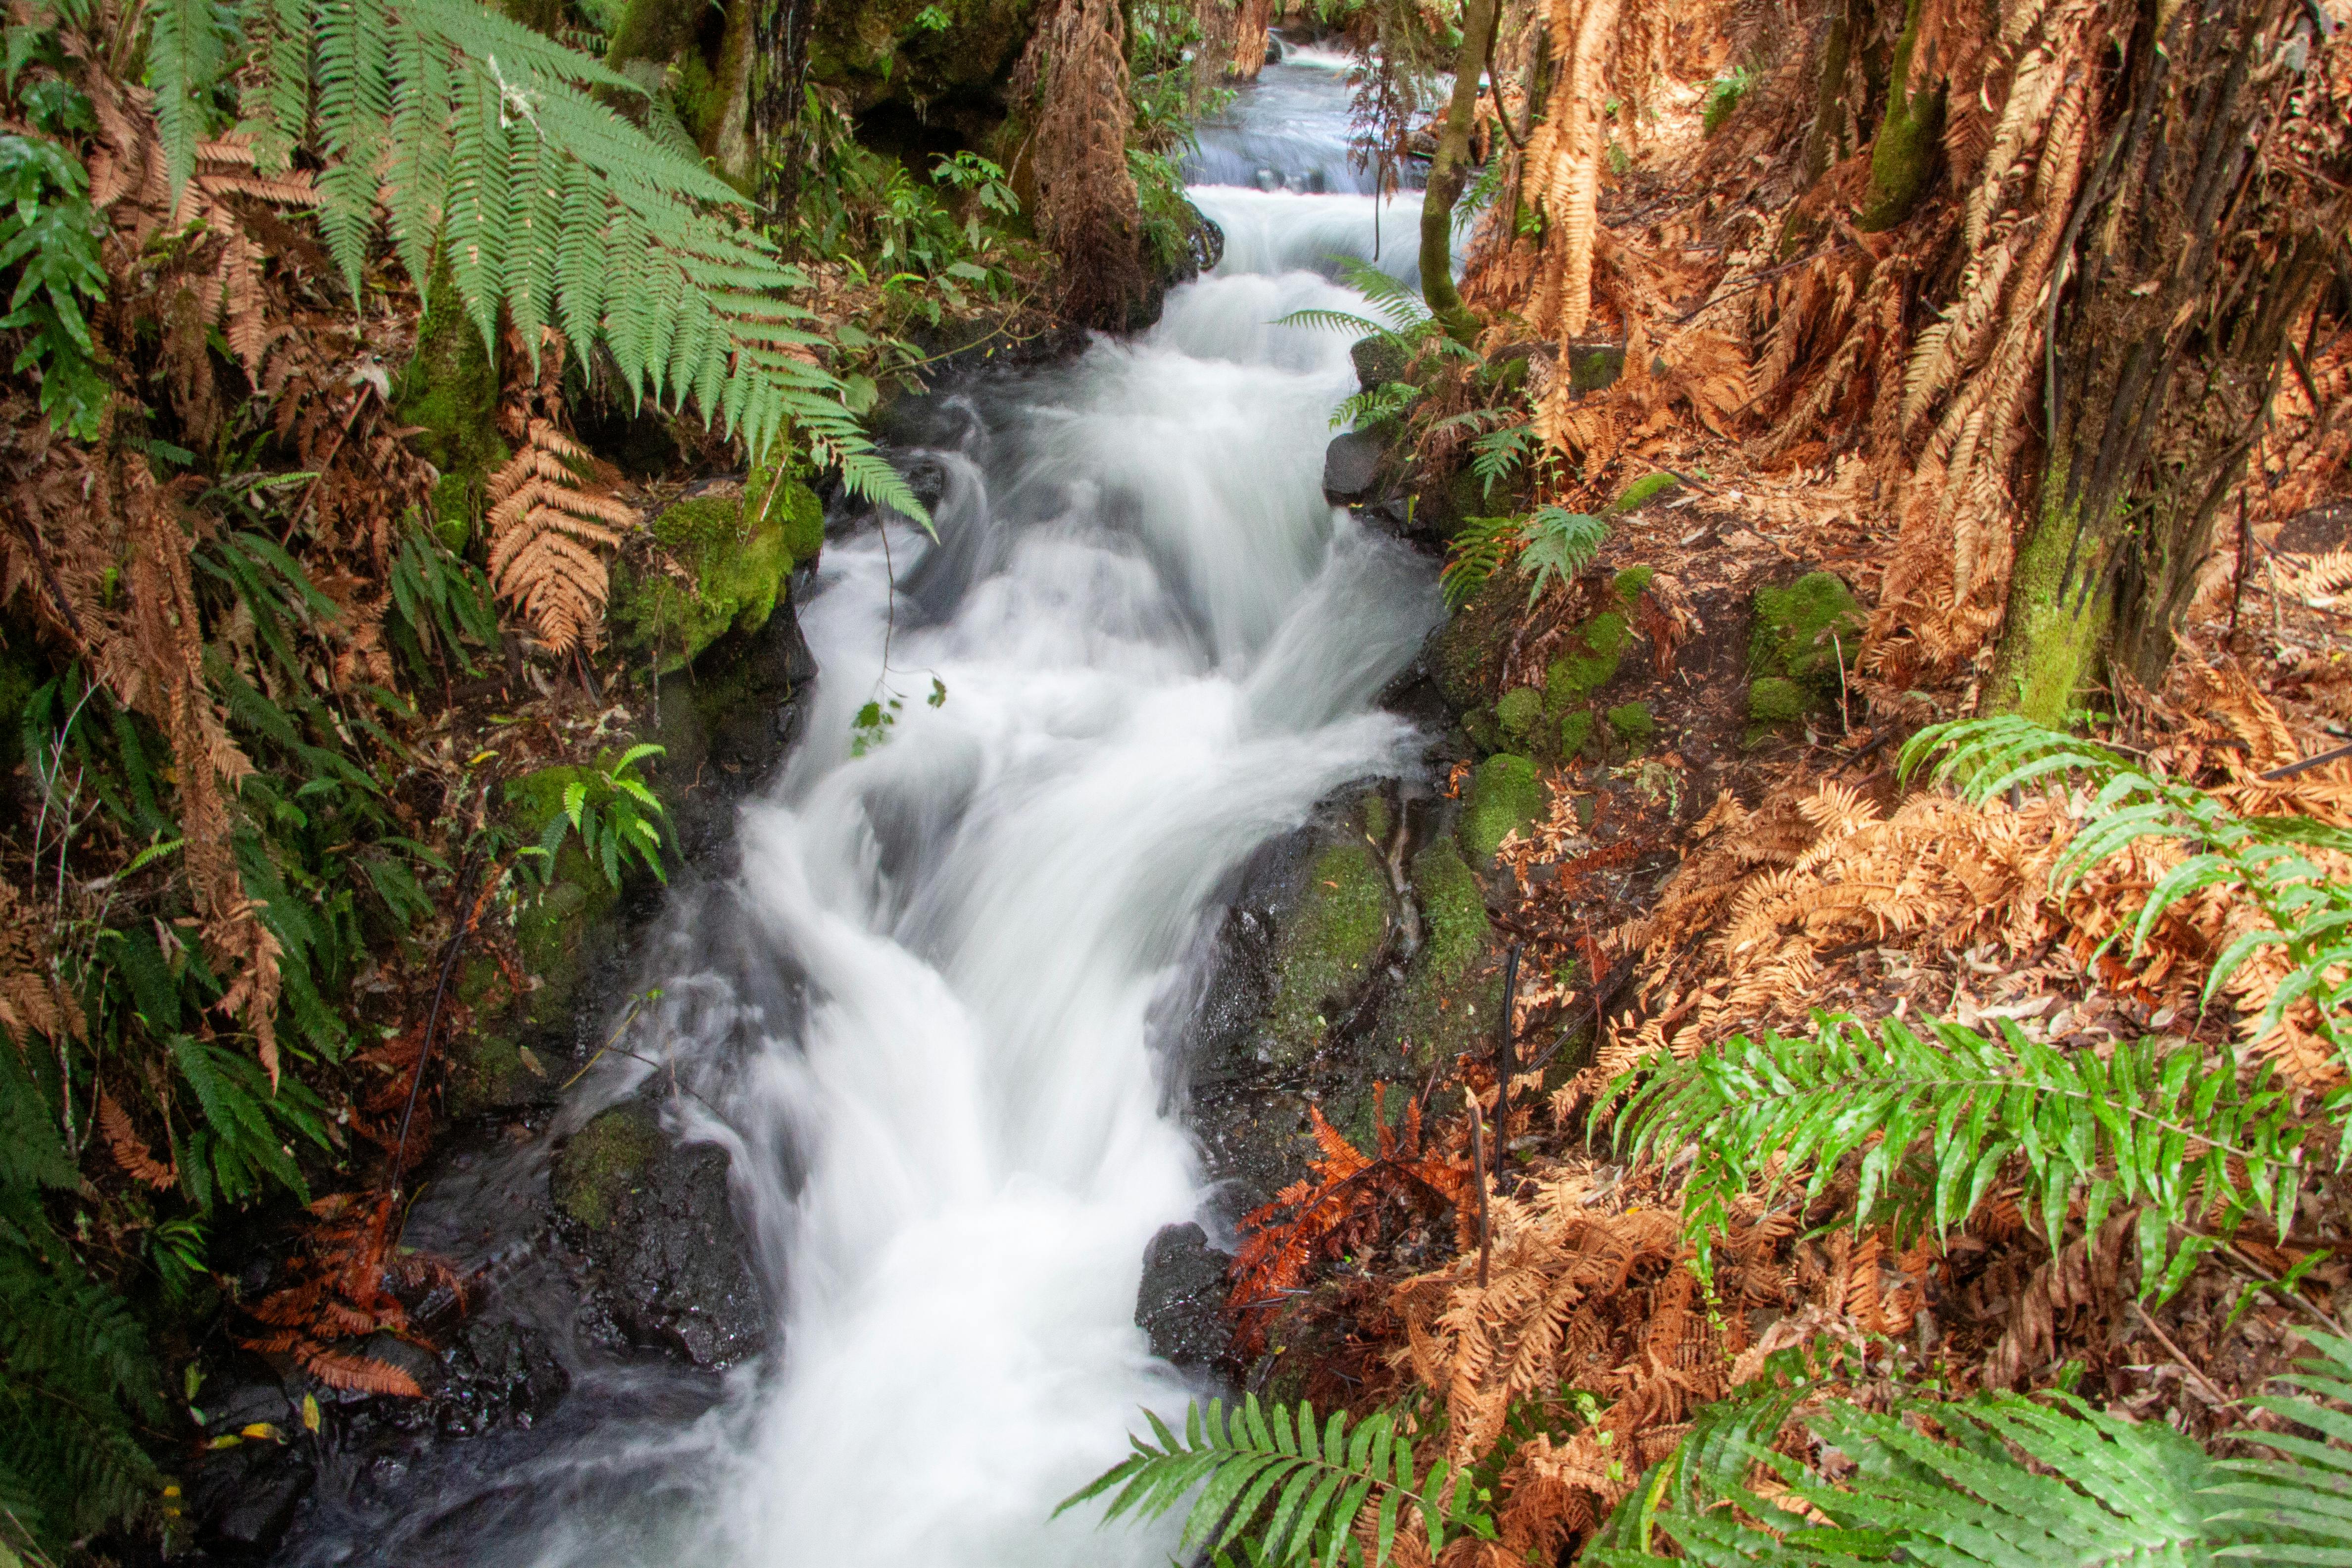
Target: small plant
1288, 1488
1553, 542
1408, 331
47, 230
620, 822
1723, 96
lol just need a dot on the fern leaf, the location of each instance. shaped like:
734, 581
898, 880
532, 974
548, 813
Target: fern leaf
187, 48
1934, 1122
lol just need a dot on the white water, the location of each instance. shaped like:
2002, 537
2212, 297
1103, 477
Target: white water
917, 1020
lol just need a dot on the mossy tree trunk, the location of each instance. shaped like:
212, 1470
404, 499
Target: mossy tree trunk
1903, 156
2162, 361
1449, 172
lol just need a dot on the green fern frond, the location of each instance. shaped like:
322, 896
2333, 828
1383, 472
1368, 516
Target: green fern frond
1399, 302
1290, 1490
1560, 543
2296, 1508
1479, 547
187, 53
1934, 1123
2100, 1492
2265, 857
1331, 321
1389, 400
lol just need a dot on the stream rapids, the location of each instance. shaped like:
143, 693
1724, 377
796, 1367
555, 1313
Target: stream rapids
921, 1020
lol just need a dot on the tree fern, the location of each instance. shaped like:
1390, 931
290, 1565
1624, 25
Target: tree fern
1937, 1122
2265, 857
1285, 1489
488, 141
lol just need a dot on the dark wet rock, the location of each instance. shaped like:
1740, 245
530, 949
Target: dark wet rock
242, 1499
1181, 1301
1378, 359
666, 1259
497, 1375
1351, 466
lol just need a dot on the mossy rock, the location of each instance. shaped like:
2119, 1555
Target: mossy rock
600, 1164
1328, 946
1453, 913
1507, 796
1469, 646
1633, 724
1484, 733
1802, 629
1575, 731
1598, 648
740, 552
1593, 367
1378, 359
449, 390
1640, 493
1771, 700
1518, 711
490, 1072
1628, 584
549, 926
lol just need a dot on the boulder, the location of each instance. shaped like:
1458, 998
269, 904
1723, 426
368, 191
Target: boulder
1181, 1301
1351, 467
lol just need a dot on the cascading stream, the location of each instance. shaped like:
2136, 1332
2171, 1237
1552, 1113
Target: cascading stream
919, 1020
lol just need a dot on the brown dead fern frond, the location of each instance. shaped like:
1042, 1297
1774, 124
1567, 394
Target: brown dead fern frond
547, 527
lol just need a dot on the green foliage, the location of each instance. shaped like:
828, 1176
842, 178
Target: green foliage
2014, 1483
1937, 1122
1497, 454
76, 1371
49, 234
620, 822
440, 602
1723, 96
491, 146
1406, 329
2265, 859
1553, 542
1286, 1488
2296, 1508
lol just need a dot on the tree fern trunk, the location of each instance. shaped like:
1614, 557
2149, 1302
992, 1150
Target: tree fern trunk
1449, 171
2164, 356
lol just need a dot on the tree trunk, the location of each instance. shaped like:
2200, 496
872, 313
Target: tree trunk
1449, 171
2160, 371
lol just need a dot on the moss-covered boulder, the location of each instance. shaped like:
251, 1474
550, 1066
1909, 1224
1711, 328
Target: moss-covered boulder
1595, 650
1453, 910
737, 554
1328, 946
551, 924
1633, 724
1518, 712
1575, 731
1506, 794
599, 1166
490, 1071
1802, 631
1773, 700
1466, 653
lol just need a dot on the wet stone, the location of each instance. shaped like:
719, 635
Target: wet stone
1181, 1301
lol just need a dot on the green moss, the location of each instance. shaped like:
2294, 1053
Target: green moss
1453, 910
2052, 645
449, 390
1378, 824
1632, 723
1629, 584
549, 926
1773, 700
489, 1072
1591, 367
1506, 795
1902, 158
1484, 732
1328, 945
1517, 712
738, 552
1640, 492
1598, 646
599, 1164
1575, 730
1802, 629
1470, 645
